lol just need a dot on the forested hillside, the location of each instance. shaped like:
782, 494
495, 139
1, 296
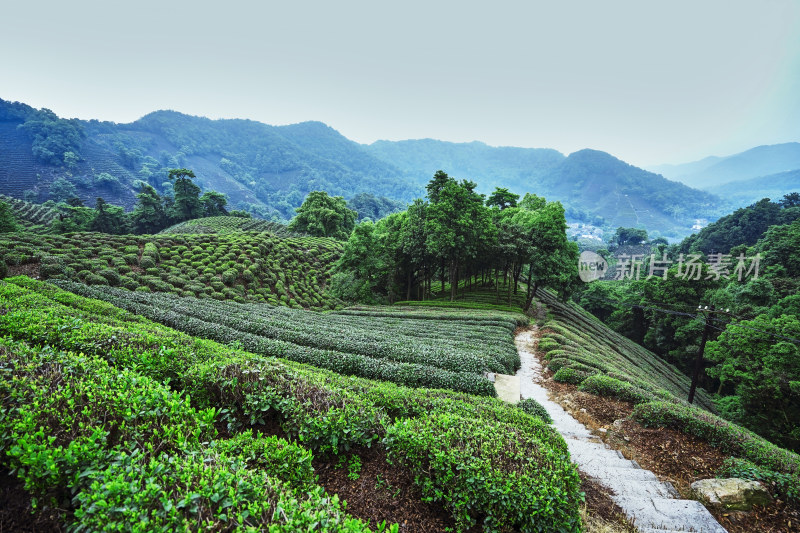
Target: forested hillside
742, 290
269, 170
746, 192
265, 169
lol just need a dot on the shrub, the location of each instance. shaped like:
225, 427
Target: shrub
602, 385
570, 375
147, 262
534, 408
111, 275
229, 276
151, 250
94, 279
546, 344
508, 479
3, 269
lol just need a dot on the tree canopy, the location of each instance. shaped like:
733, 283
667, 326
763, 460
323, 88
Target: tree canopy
453, 236
322, 215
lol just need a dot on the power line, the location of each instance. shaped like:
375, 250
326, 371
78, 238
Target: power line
776, 335
679, 313
639, 306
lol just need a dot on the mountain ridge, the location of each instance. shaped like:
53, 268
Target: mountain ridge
269, 169
755, 162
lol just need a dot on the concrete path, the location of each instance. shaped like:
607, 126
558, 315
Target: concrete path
507, 387
653, 506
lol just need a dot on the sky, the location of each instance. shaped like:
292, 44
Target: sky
649, 82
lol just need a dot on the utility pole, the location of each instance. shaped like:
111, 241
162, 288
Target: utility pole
698, 365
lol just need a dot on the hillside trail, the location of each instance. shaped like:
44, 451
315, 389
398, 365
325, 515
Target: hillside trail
652, 506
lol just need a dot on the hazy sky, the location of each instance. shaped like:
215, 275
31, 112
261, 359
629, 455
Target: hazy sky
648, 81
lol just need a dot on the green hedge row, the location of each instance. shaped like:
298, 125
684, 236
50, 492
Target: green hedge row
323, 411
410, 374
451, 346
603, 385
123, 452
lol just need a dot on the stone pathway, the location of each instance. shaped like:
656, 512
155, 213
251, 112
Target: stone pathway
653, 506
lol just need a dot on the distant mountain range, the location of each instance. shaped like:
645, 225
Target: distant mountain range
713, 172
269, 169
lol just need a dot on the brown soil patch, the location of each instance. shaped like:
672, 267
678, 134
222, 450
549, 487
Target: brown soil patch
382, 492
16, 512
599, 503
30, 269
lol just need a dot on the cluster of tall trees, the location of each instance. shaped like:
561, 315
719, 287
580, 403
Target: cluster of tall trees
152, 212
455, 236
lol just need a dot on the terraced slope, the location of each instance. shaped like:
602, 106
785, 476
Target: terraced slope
17, 167
224, 225
108, 422
579, 346
242, 267
411, 351
27, 214
582, 351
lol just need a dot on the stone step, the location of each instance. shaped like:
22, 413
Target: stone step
669, 514
652, 489
604, 462
589, 447
632, 476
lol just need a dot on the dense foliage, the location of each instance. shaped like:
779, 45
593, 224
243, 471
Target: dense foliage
455, 238
743, 226
324, 216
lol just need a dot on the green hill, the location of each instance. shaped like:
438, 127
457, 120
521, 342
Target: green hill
594, 186
746, 192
